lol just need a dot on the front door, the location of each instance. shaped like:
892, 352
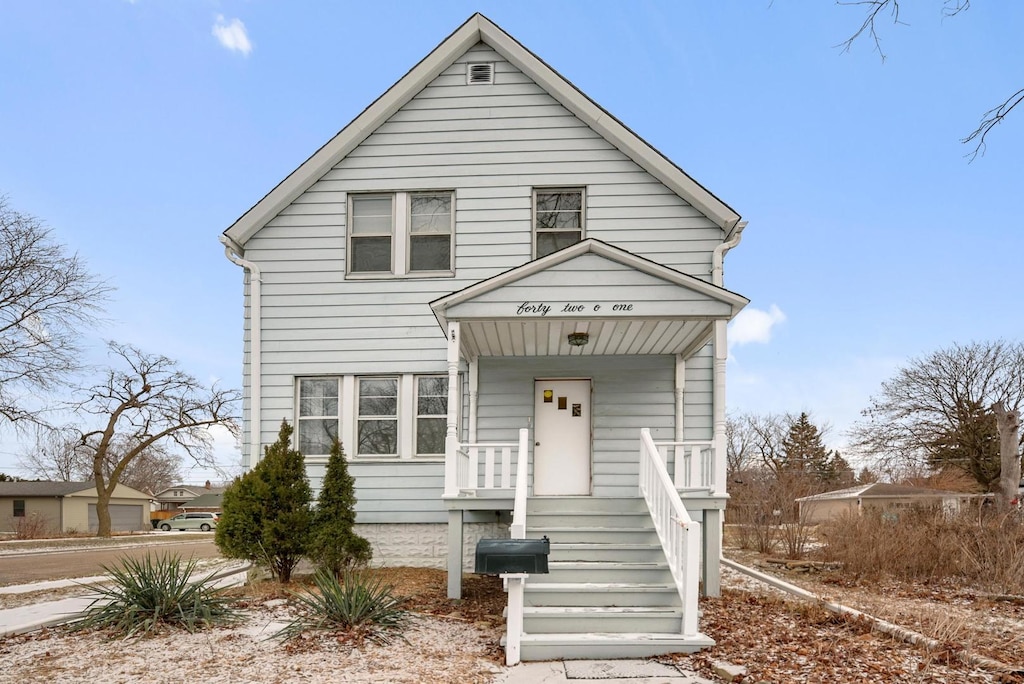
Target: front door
561, 450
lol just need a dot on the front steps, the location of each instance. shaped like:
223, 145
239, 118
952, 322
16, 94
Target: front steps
609, 592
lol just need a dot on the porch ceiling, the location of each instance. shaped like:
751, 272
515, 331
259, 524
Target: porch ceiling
549, 337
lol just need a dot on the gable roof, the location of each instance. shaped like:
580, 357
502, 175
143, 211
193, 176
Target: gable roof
44, 488
205, 500
670, 312
476, 29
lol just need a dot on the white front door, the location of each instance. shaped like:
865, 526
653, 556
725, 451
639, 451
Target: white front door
561, 450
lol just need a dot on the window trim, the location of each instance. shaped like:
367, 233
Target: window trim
401, 236
533, 212
16, 508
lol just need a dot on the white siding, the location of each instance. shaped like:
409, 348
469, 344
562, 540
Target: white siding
491, 145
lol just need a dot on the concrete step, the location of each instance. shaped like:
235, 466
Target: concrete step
569, 534
600, 594
625, 553
639, 521
558, 504
600, 571
594, 645
604, 619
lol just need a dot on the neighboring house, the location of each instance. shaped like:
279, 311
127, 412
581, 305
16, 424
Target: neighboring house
878, 495
210, 501
486, 287
172, 498
70, 507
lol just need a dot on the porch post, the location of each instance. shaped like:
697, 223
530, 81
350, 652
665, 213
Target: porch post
451, 484
713, 518
474, 387
680, 452
451, 443
455, 553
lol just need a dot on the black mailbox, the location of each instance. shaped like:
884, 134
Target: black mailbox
498, 556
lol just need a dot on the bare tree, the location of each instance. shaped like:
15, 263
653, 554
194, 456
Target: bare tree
52, 455
877, 10
937, 411
149, 404
47, 297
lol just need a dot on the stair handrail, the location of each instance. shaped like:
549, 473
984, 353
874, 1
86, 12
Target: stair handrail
516, 583
678, 533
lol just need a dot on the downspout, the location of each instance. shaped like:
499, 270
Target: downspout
234, 252
721, 353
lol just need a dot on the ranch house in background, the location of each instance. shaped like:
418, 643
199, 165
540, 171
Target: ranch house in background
510, 310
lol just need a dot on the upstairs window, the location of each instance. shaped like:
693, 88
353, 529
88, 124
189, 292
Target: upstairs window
372, 234
401, 234
430, 232
558, 219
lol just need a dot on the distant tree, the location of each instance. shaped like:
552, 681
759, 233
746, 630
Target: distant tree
147, 405
4, 477
266, 514
876, 10
47, 299
942, 410
866, 476
53, 456
739, 445
333, 542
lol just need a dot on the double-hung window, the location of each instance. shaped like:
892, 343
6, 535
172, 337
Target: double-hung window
372, 234
431, 414
318, 415
402, 234
557, 219
377, 420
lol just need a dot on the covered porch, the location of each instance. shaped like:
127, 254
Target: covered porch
560, 365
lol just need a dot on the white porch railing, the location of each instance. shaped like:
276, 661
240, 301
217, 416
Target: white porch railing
693, 465
679, 535
516, 583
484, 466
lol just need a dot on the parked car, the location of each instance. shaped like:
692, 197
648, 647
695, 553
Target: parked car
191, 521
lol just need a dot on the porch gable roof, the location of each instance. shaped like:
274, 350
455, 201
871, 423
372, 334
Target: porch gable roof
624, 303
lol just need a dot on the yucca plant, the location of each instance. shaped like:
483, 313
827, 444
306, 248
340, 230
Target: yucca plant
155, 591
360, 603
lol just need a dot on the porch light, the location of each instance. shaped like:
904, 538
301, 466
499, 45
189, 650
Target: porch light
578, 339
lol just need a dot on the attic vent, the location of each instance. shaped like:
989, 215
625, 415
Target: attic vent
481, 73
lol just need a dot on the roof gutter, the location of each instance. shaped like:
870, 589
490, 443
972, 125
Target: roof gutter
233, 251
718, 256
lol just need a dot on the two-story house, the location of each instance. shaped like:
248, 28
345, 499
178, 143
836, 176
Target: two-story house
510, 310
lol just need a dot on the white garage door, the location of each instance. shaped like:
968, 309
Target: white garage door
123, 518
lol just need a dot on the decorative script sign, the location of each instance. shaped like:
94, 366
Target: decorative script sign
544, 308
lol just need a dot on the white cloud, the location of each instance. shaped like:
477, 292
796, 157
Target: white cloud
231, 34
755, 325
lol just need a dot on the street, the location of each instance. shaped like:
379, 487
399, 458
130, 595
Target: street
88, 562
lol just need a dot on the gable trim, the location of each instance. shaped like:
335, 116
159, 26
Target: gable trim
479, 29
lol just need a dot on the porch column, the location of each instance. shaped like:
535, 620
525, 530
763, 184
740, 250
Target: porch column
455, 554
474, 387
451, 440
678, 458
451, 484
713, 518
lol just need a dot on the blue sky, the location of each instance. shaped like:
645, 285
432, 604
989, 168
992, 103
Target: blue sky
138, 131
